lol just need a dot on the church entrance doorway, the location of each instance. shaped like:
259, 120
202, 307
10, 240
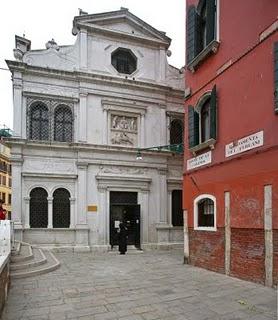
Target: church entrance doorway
124, 207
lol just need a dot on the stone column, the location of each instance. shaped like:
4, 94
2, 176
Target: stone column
72, 213
142, 131
169, 201
186, 236
17, 190
144, 208
27, 213
163, 196
162, 66
17, 101
50, 212
105, 127
81, 220
83, 49
82, 128
163, 126
227, 233
102, 237
268, 235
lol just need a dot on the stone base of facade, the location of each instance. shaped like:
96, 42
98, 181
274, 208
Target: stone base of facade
4, 281
248, 254
275, 257
207, 249
162, 246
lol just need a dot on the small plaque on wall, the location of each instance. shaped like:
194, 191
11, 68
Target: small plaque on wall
92, 208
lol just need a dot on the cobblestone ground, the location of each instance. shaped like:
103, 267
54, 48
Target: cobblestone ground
139, 286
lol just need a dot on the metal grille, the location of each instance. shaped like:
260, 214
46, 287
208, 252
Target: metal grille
176, 131
124, 61
39, 122
206, 213
63, 124
118, 197
61, 208
38, 208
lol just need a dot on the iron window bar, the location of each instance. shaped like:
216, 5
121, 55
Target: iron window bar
172, 148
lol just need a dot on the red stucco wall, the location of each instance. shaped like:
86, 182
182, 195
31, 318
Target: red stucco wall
245, 102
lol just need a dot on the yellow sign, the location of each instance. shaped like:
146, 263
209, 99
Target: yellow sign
92, 208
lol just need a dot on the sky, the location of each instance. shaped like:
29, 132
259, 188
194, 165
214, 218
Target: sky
41, 21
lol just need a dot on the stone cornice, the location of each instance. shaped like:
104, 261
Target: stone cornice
95, 29
81, 76
49, 96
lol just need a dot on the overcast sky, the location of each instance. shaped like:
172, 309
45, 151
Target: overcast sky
41, 21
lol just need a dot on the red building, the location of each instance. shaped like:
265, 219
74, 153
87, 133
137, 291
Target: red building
230, 178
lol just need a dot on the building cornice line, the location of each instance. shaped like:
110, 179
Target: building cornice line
80, 76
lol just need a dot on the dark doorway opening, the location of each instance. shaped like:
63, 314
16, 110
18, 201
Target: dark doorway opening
124, 207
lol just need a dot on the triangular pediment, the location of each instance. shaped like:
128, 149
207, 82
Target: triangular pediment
121, 21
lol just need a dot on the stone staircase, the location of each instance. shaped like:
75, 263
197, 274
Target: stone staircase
28, 261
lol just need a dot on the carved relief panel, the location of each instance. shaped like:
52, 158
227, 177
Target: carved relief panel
124, 130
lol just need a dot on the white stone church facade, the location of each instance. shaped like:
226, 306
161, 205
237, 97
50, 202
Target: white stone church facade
81, 112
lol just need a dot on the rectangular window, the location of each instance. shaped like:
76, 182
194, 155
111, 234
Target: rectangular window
177, 213
4, 197
276, 77
4, 180
9, 198
10, 182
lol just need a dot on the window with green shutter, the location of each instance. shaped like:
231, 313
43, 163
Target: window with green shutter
202, 122
201, 28
276, 77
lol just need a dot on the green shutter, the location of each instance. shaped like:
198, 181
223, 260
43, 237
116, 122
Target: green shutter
193, 127
213, 114
211, 15
191, 40
276, 77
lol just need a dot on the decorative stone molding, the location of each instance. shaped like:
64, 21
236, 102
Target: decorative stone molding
123, 182
174, 184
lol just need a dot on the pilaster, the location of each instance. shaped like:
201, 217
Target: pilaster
82, 128
268, 235
17, 189
82, 194
50, 212
72, 213
17, 102
27, 213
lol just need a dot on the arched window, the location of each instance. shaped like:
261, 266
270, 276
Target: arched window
205, 121
39, 122
205, 212
61, 208
176, 131
124, 61
38, 208
63, 123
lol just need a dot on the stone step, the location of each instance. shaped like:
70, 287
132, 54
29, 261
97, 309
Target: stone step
25, 254
16, 249
39, 258
51, 264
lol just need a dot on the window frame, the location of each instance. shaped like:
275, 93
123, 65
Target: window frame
128, 51
196, 212
209, 48
57, 109
198, 109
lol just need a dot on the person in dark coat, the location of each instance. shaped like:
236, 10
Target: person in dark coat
122, 238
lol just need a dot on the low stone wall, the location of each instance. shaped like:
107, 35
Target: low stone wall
4, 280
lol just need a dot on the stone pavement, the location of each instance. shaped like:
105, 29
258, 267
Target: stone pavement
137, 286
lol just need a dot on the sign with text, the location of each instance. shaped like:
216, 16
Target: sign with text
247, 143
92, 208
199, 161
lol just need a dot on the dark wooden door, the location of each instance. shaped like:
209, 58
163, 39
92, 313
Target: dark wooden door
129, 214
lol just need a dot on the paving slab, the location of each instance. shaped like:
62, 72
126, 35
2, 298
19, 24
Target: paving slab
149, 286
